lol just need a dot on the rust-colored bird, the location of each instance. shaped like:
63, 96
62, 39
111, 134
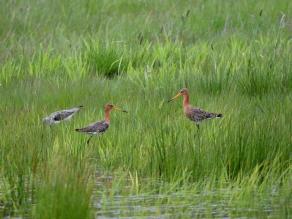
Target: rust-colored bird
100, 126
194, 114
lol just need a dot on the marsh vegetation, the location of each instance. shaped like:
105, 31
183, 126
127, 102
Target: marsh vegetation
235, 57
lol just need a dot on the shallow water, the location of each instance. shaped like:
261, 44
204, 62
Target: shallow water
110, 200
153, 207
210, 204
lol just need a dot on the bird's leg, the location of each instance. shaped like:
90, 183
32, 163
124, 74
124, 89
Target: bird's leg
89, 139
198, 129
198, 126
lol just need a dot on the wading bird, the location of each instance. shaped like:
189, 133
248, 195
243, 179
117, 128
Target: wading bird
100, 126
194, 114
61, 115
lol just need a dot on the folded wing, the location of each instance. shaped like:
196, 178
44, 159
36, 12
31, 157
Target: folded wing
94, 128
199, 115
62, 115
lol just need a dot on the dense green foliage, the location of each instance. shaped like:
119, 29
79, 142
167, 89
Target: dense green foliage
234, 56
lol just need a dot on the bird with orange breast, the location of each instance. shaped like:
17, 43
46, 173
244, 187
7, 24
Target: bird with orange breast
100, 127
196, 115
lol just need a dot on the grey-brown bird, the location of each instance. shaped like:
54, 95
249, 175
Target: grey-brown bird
100, 127
62, 115
196, 115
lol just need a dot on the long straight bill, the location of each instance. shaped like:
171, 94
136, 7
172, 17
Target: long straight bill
119, 109
176, 96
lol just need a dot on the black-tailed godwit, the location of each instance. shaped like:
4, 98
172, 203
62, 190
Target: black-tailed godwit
196, 115
62, 115
100, 126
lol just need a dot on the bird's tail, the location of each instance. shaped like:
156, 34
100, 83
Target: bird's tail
219, 115
77, 130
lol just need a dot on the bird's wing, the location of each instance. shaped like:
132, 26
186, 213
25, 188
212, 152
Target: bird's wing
61, 115
102, 127
199, 114
98, 127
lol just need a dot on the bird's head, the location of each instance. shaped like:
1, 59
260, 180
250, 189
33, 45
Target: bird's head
109, 107
182, 92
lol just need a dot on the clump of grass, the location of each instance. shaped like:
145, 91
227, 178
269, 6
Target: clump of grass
104, 60
64, 184
64, 193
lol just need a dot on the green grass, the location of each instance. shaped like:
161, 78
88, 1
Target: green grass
235, 58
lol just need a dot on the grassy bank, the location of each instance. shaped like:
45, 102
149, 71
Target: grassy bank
137, 55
